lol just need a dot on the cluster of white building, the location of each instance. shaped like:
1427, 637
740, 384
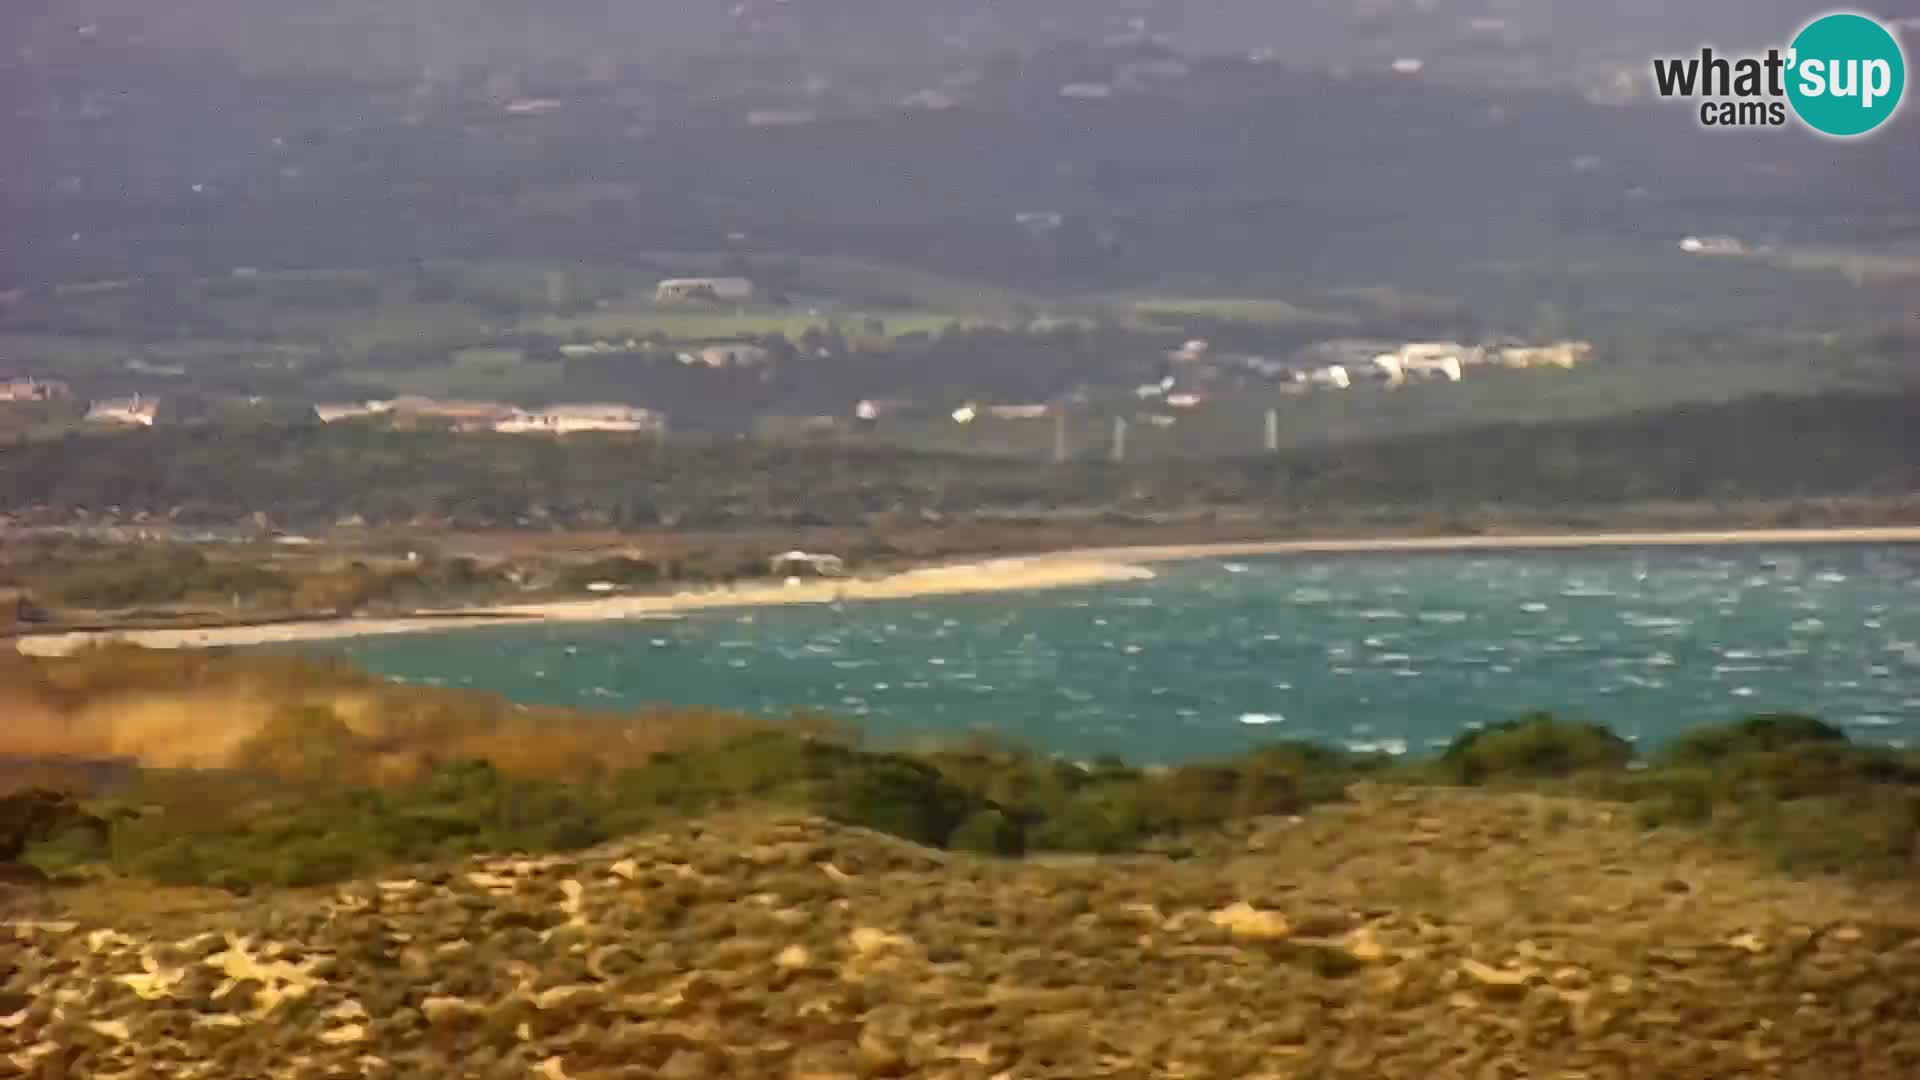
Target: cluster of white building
1341, 364
507, 419
32, 389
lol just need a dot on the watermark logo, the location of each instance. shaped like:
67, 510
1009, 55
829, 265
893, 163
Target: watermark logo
1843, 75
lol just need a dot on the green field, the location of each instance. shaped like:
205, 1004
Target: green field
1267, 312
470, 310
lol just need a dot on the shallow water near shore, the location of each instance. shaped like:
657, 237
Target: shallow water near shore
1392, 652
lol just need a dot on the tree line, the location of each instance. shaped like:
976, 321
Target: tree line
1760, 448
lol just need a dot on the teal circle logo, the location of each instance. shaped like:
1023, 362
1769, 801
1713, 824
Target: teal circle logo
1846, 75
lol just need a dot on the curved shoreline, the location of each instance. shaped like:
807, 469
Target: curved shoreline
1065, 569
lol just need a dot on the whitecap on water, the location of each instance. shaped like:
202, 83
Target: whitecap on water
1395, 747
1257, 719
1311, 596
1731, 669
1533, 607
1587, 592
1234, 567
1407, 673
1392, 658
1871, 720
1380, 614
1830, 577
1443, 617
1640, 621
1809, 626
1743, 691
1502, 669
1659, 659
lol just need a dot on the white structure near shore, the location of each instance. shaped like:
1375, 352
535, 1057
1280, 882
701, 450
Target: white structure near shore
135, 411
567, 419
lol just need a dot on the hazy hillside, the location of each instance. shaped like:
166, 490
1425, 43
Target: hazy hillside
1553, 38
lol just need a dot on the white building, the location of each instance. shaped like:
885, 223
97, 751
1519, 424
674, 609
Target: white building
761, 118
136, 410
737, 289
727, 354
331, 412
1334, 375
1712, 245
1019, 412
567, 419
1561, 354
786, 563
33, 390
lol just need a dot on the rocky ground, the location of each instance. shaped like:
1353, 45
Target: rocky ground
1407, 934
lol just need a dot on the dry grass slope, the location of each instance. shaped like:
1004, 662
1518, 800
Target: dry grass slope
1442, 934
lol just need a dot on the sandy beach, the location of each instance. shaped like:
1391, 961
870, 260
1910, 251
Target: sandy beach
1093, 566
996, 575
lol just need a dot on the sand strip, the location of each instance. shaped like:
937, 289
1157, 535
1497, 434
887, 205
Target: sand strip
1096, 566
998, 575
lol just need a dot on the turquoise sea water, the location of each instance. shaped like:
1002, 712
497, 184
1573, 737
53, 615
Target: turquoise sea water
1388, 652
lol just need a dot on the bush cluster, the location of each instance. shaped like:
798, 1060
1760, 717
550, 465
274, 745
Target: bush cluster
307, 799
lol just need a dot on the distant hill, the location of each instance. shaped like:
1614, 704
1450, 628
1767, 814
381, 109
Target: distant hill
1561, 36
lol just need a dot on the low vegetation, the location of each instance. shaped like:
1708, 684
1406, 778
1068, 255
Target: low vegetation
276, 771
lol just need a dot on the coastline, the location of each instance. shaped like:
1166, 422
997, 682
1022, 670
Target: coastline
1064, 569
1054, 571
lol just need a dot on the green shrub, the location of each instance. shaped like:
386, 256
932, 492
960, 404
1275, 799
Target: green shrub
989, 832
896, 794
1106, 821
1761, 732
1534, 747
1873, 833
